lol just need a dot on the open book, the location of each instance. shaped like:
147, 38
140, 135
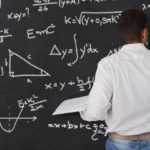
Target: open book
72, 105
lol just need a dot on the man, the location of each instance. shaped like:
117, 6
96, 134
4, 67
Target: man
121, 91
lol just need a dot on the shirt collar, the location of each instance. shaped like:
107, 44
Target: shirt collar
133, 47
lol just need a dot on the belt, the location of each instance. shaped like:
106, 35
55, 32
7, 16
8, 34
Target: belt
143, 136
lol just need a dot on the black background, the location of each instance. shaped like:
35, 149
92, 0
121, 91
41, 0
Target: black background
36, 134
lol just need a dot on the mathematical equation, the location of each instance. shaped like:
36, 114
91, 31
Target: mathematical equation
81, 84
43, 4
33, 103
99, 18
18, 16
4, 33
95, 128
31, 33
86, 49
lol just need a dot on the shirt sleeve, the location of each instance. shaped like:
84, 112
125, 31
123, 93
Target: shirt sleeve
99, 96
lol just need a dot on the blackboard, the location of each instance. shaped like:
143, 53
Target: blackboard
49, 50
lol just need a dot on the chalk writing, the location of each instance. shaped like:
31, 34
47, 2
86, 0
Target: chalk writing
31, 33
145, 6
18, 16
42, 4
29, 81
43, 8
6, 63
62, 3
81, 84
2, 72
98, 18
13, 55
4, 33
95, 128
16, 120
32, 103
29, 57
86, 49
113, 51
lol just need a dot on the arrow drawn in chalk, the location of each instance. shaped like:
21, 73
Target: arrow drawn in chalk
21, 118
17, 118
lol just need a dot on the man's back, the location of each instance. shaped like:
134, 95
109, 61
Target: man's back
120, 94
130, 72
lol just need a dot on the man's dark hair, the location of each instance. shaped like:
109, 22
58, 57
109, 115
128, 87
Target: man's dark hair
131, 24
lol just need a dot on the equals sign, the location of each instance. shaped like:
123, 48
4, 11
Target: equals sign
74, 21
70, 51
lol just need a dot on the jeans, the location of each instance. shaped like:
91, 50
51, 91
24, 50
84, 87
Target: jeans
116, 144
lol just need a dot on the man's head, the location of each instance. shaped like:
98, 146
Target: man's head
133, 26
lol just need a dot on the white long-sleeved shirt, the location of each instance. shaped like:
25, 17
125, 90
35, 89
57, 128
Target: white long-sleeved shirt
121, 91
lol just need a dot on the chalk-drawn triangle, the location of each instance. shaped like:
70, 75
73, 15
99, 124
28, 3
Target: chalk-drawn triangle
55, 51
23, 68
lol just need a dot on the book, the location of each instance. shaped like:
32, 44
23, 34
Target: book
72, 105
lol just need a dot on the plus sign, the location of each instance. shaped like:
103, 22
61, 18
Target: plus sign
91, 20
71, 83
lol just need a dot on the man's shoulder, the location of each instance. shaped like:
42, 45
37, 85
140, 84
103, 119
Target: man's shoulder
109, 59
120, 56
